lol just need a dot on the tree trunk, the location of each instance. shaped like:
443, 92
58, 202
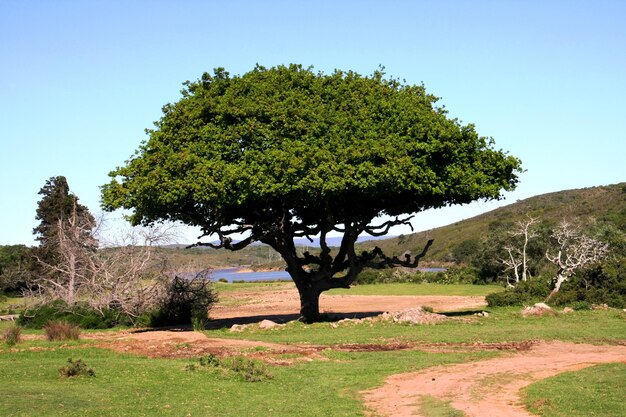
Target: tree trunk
309, 301
560, 279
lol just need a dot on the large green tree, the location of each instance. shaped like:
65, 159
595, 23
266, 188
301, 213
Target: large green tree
286, 152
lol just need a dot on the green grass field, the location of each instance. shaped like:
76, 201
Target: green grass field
135, 386
596, 391
127, 385
502, 325
419, 289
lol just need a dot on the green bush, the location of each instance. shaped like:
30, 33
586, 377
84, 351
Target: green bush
80, 314
250, 370
506, 298
581, 305
528, 292
76, 368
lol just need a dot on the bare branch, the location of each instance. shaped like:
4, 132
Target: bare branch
372, 230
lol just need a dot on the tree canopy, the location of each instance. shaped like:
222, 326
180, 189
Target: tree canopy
57, 206
287, 152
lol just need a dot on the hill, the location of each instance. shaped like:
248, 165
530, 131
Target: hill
604, 203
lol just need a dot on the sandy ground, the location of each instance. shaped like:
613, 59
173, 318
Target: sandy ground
490, 387
283, 305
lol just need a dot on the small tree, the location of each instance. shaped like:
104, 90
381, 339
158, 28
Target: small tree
516, 259
285, 152
575, 252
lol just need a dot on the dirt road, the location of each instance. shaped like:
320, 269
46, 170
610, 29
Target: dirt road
490, 387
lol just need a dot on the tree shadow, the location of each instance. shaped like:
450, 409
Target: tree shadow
228, 322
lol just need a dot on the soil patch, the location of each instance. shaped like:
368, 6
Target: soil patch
283, 304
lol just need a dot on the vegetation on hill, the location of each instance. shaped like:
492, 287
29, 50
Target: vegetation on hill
454, 243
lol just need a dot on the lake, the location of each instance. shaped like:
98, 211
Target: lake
232, 274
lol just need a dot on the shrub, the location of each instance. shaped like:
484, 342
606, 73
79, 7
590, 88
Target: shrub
76, 368
183, 300
61, 330
12, 335
581, 305
250, 370
506, 298
79, 314
528, 292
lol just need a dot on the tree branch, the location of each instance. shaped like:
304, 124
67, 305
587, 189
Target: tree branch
372, 230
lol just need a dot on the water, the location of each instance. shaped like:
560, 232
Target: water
231, 274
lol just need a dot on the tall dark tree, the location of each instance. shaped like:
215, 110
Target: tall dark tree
286, 152
57, 204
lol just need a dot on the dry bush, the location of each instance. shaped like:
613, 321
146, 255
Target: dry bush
12, 335
61, 330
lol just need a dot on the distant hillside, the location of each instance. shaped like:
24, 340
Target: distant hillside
603, 203
606, 203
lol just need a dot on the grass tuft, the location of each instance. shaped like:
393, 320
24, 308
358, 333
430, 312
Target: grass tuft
61, 330
12, 335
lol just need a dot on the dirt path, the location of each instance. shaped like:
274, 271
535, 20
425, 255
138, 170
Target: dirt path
490, 387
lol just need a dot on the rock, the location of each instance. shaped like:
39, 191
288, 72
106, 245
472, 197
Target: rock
267, 324
568, 310
539, 309
236, 328
482, 314
334, 325
415, 315
599, 307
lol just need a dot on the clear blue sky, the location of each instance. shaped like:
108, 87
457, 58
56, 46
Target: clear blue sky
81, 80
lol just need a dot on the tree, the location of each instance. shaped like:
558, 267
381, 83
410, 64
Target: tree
517, 255
285, 152
575, 252
55, 208
67, 245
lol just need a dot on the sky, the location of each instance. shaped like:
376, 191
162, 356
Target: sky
81, 80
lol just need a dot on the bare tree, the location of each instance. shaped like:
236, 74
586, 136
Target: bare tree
518, 257
73, 262
575, 251
129, 274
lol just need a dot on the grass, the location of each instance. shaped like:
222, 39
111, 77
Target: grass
434, 407
419, 289
594, 391
503, 324
223, 287
11, 305
130, 385
371, 289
